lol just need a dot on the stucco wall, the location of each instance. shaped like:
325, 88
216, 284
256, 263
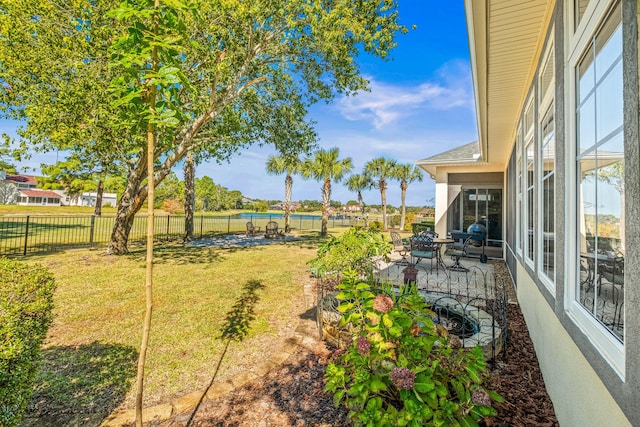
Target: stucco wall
579, 396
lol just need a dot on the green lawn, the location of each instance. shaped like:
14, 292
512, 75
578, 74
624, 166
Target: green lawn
92, 347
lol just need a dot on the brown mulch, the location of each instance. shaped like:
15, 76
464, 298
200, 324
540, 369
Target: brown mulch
292, 394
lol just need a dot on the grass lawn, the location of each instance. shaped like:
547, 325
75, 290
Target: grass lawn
92, 346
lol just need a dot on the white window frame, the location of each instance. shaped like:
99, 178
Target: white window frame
611, 349
546, 102
519, 185
528, 140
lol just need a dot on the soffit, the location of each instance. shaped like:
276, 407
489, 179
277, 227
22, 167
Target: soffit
505, 38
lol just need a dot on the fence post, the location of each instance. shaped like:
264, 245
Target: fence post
201, 224
26, 236
168, 218
228, 224
93, 224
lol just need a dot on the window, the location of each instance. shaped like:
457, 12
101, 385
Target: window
580, 7
519, 210
600, 176
547, 196
529, 190
594, 292
547, 168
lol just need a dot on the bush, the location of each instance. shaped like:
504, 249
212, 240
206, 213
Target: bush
353, 249
400, 368
408, 220
375, 226
26, 302
172, 206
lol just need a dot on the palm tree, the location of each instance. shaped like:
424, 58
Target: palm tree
326, 166
381, 169
357, 183
289, 165
406, 173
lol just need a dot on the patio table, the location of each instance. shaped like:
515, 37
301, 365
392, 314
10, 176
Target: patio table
439, 241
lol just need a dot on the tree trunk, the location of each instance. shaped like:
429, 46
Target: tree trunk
326, 200
288, 184
361, 202
146, 328
129, 204
189, 196
383, 196
403, 187
99, 191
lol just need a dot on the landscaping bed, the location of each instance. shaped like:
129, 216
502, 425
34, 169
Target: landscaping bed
292, 394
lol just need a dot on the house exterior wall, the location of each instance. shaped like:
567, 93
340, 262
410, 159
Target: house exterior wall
588, 384
583, 400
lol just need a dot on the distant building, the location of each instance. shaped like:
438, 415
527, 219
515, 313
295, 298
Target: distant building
87, 199
38, 198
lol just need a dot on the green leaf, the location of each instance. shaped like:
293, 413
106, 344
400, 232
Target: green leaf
386, 320
473, 374
468, 421
424, 387
337, 397
377, 385
495, 396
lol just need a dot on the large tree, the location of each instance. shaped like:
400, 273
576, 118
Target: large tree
358, 183
406, 173
250, 71
381, 169
288, 165
326, 166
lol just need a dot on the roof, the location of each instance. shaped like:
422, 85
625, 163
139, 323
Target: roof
468, 154
505, 41
26, 179
40, 193
463, 154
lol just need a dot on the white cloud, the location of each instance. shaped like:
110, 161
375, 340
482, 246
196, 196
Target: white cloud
387, 103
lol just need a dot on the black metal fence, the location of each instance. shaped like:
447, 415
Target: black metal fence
31, 234
472, 304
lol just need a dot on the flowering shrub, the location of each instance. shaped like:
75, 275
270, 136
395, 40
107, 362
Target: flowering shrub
401, 369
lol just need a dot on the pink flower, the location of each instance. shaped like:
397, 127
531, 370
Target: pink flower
480, 397
382, 303
363, 345
403, 378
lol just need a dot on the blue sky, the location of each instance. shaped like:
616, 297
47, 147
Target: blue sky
420, 104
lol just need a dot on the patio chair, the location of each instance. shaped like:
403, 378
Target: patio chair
422, 247
400, 248
271, 230
458, 250
251, 229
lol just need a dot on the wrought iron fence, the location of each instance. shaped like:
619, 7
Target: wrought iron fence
31, 234
471, 305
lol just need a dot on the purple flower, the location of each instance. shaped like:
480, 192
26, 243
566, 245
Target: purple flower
403, 378
363, 345
382, 303
480, 397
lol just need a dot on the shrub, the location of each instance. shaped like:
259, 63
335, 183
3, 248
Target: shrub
172, 206
375, 225
353, 249
408, 220
401, 369
26, 301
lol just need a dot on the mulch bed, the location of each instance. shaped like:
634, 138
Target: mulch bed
292, 394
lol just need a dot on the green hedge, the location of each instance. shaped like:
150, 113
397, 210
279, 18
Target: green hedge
26, 302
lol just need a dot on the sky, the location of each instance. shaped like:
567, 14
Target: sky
420, 104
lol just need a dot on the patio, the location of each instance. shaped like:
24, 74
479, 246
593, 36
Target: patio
469, 304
